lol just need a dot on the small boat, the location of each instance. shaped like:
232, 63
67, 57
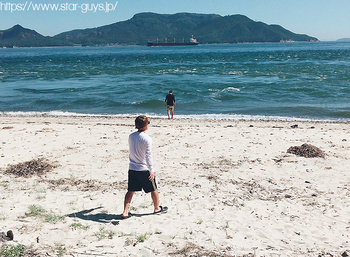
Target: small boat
193, 42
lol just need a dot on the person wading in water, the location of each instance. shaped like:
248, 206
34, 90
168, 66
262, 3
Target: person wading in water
170, 104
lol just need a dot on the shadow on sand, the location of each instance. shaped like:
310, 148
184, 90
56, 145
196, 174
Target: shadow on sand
103, 217
97, 217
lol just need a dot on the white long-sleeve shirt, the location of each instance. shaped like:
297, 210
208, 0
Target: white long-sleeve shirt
140, 148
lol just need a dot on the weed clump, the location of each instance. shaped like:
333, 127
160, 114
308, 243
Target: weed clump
39, 212
103, 233
306, 150
27, 169
12, 250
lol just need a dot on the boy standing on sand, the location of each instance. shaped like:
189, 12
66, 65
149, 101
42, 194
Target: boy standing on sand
170, 103
141, 171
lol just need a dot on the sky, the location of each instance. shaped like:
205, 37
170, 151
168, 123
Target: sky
327, 20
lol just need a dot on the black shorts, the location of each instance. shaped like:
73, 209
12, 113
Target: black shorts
138, 180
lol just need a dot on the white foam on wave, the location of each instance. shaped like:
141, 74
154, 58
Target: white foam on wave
231, 89
241, 117
228, 89
72, 114
51, 113
159, 116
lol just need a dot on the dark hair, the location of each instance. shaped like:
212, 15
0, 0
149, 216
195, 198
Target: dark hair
170, 91
141, 122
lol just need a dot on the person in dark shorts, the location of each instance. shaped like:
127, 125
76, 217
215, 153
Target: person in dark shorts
141, 174
170, 104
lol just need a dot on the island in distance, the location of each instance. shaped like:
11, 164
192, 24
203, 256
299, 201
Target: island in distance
344, 40
152, 27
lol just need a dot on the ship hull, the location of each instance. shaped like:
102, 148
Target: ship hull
172, 44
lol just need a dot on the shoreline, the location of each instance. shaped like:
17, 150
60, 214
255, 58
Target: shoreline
214, 117
231, 188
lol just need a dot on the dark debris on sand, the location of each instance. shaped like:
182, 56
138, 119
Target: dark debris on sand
192, 250
306, 150
27, 169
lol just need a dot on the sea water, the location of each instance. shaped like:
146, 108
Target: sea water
308, 81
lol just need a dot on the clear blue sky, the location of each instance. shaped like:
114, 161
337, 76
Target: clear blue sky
325, 19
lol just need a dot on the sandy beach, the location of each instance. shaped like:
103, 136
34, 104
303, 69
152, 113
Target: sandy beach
230, 186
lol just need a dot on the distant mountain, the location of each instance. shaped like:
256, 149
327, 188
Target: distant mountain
344, 40
144, 27
207, 28
17, 36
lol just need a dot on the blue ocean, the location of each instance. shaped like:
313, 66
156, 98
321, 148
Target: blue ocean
271, 81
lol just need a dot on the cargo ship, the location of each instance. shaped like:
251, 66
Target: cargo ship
193, 42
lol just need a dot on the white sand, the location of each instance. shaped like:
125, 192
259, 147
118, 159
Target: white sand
231, 189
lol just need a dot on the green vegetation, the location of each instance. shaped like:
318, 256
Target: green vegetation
207, 28
53, 218
38, 211
61, 250
144, 27
78, 225
35, 210
142, 238
11, 250
4, 184
134, 241
21, 37
103, 233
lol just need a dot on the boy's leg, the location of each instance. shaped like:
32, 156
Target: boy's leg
155, 198
127, 201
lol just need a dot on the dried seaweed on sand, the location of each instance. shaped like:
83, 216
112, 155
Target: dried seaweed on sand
27, 169
306, 150
192, 250
65, 184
